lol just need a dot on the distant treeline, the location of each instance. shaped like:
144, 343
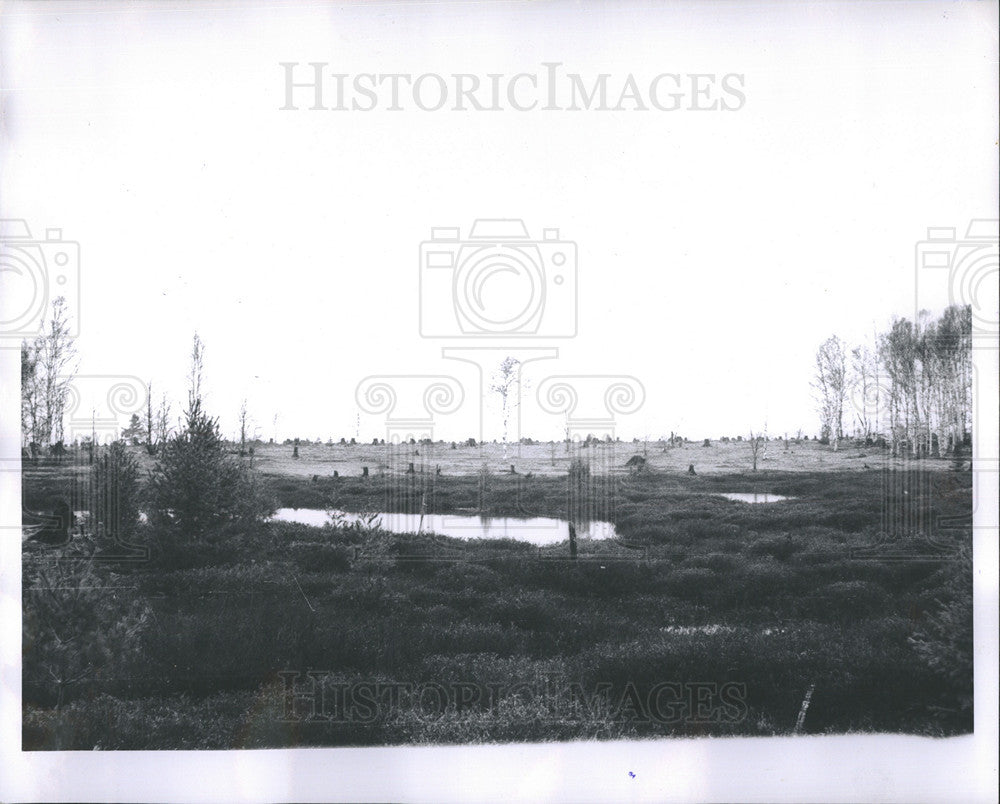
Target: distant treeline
911, 387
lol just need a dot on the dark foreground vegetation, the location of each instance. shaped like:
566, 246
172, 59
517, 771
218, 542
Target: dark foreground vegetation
709, 617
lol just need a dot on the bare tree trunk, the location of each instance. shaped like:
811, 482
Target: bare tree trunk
149, 417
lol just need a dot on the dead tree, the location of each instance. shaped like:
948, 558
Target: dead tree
756, 443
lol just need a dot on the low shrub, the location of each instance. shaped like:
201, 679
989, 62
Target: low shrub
692, 583
779, 547
320, 557
847, 600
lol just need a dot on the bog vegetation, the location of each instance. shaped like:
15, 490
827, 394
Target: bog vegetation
184, 628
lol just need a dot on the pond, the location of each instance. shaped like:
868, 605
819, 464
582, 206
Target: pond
755, 497
539, 531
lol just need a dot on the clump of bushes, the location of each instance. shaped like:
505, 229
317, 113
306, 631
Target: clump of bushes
848, 600
692, 583
81, 623
943, 641
320, 557
779, 547
888, 644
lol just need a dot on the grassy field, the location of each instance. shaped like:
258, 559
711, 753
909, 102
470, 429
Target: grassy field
554, 459
706, 617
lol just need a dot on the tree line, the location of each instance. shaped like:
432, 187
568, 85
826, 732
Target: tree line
195, 490
909, 389
48, 363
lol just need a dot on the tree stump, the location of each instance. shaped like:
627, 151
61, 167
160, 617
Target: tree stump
364, 471
691, 470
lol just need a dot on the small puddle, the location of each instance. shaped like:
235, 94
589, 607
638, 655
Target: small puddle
713, 629
754, 497
708, 630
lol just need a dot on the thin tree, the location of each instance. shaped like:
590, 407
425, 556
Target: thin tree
865, 385
507, 385
196, 374
954, 349
162, 425
31, 397
47, 369
830, 384
150, 448
243, 428
756, 444
57, 355
899, 354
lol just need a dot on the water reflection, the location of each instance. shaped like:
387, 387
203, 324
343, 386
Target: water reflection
755, 497
539, 531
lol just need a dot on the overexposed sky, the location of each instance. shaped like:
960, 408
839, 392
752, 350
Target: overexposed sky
715, 249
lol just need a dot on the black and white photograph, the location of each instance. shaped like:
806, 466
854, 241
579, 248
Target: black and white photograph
542, 401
